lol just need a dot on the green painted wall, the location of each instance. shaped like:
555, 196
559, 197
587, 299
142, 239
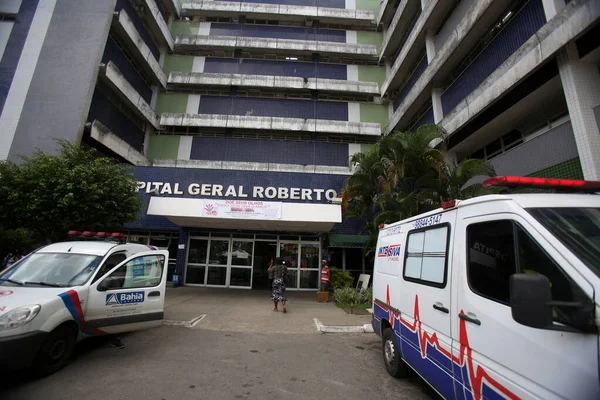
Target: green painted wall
184, 28
171, 103
375, 38
372, 5
374, 113
178, 64
570, 169
371, 74
163, 147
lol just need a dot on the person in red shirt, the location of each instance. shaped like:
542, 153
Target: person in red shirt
325, 276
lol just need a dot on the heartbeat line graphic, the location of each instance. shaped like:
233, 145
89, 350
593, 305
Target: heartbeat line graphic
476, 373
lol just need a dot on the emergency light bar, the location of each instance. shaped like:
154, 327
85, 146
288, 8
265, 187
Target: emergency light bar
571, 185
89, 235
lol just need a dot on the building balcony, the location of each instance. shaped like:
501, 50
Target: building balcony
396, 30
387, 10
108, 139
200, 44
474, 23
414, 45
138, 48
150, 12
191, 80
270, 123
172, 6
280, 12
111, 75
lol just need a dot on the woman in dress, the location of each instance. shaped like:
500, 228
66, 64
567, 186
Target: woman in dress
279, 279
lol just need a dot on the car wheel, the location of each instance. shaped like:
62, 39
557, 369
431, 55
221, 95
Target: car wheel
55, 351
394, 364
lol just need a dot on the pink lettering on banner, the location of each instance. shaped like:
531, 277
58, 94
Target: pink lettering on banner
6, 292
2, 308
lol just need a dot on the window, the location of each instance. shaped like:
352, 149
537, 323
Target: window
426, 256
110, 263
499, 249
140, 272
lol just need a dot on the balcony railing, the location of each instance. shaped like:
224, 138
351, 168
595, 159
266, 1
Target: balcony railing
524, 25
421, 66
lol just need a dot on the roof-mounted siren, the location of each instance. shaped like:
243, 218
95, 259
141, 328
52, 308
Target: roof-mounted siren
561, 185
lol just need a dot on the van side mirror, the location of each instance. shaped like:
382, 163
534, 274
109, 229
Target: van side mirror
530, 298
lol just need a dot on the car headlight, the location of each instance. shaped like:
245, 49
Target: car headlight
19, 317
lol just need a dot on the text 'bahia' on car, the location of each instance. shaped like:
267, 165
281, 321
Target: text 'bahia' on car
66, 291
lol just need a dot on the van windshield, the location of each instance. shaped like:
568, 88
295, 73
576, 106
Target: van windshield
51, 269
577, 228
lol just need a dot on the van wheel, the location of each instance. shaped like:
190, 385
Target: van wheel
395, 366
55, 351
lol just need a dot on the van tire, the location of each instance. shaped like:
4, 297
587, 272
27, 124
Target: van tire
55, 351
394, 364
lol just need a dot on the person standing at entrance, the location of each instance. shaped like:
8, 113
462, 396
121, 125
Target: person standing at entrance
279, 281
270, 272
325, 276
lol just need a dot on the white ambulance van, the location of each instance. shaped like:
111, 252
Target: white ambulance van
67, 291
495, 297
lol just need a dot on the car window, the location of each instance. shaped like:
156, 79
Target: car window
139, 272
499, 249
112, 261
426, 256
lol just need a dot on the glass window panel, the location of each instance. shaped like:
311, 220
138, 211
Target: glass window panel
267, 237
288, 237
242, 253
173, 246
243, 235
143, 271
289, 252
216, 276
415, 242
197, 251
200, 233
413, 267
354, 259
162, 242
138, 239
335, 257
432, 269
310, 256
219, 249
309, 279
240, 276
435, 240
292, 279
309, 238
195, 274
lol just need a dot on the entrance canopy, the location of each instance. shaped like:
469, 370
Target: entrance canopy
247, 215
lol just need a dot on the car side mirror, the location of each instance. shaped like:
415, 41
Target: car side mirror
530, 298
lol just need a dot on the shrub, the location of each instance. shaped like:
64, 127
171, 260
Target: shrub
346, 295
366, 296
341, 279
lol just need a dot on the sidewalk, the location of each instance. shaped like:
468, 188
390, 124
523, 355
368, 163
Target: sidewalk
250, 311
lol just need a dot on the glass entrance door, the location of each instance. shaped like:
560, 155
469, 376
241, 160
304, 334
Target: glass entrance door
242, 260
218, 257
289, 252
195, 272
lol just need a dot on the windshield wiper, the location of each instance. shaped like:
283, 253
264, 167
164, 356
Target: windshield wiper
12, 281
45, 284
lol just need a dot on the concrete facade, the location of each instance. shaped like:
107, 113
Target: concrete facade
496, 75
209, 102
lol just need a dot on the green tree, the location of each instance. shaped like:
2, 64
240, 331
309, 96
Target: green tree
51, 194
404, 175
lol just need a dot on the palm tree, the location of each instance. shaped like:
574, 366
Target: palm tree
457, 176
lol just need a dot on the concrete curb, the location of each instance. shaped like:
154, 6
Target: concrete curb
366, 328
186, 324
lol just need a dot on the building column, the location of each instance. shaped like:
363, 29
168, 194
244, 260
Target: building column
436, 103
552, 7
181, 254
581, 85
430, 45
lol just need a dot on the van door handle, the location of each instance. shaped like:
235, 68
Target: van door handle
440, 307
469, 319
153, 294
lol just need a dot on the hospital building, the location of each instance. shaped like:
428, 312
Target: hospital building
239, 117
